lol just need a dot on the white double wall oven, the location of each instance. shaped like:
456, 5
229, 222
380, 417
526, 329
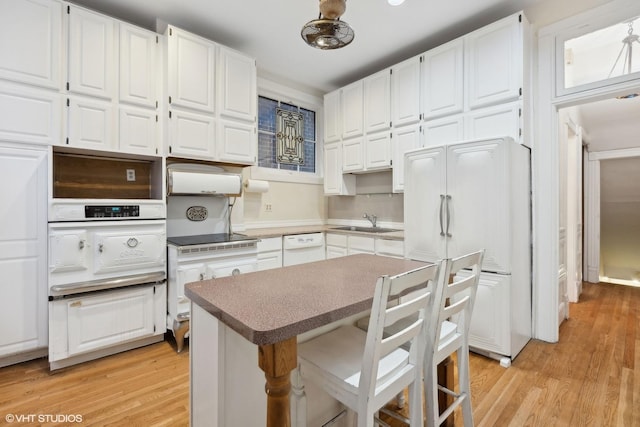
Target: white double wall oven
106, 255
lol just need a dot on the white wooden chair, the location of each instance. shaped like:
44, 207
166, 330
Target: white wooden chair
362, 369
449, 333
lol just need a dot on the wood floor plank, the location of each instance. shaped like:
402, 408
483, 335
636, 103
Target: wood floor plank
590, 377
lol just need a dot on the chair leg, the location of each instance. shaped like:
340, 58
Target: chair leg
431, 394
415, 403
465, 385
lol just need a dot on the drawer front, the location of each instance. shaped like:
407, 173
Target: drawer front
390, 247
362, 243
270, 244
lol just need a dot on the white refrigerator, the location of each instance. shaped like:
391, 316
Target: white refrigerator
469, 195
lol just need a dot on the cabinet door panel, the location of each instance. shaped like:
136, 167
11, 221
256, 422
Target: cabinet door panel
332, 115
191, 71
34, 28
138, 77
442, 81
90, 123
23, 249
478, 184
405, 92
352, 110
68, 251
495, 122
138, 130
378, 151
377, 101
490, 322
91, 53
424, 189
494, 58
191, 134
404, 139
29, 115
237, 142
352, 155
238, 85
445, 130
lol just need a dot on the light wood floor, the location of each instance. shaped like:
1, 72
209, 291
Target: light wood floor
591, 377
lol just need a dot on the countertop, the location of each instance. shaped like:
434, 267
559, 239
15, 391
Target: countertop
264, 233
270, 306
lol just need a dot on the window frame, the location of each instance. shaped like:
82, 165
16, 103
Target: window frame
304, 100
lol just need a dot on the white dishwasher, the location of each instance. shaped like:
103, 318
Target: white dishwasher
301, 248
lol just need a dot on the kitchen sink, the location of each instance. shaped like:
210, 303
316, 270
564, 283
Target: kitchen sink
366, 229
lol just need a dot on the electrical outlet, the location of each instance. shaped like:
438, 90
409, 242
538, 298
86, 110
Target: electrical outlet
131, 174
267, 207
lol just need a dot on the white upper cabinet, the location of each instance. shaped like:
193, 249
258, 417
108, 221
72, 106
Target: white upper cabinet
352, 110
378, 151
138, 130
335, 182
92, 63
353, 155
191, 135
494, 58
191, 71
377, 102
444, 130
138, 66
332, 116
238, 85
236, 142
91, 122
442, 80
495, 122
403, 139
32, 35
405, 92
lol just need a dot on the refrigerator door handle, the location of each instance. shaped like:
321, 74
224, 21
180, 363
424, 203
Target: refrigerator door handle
448, 217
441, 205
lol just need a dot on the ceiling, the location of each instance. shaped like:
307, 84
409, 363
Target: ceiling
270, 31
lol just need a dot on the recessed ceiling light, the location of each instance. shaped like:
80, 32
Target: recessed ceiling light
395, 2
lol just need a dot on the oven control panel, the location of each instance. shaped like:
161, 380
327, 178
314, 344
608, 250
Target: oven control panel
119, 211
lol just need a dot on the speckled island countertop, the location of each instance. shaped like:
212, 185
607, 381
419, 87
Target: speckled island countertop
270, 306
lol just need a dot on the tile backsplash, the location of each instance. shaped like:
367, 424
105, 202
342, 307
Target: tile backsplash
387, 207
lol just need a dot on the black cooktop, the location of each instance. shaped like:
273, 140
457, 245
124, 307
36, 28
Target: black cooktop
207, 239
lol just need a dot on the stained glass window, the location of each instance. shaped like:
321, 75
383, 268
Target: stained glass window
286, 136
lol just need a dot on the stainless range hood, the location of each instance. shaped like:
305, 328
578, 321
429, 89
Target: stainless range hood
186, 179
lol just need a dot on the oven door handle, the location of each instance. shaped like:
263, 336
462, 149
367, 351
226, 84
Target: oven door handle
76, 288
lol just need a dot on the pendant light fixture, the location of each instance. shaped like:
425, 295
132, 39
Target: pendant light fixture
328, 31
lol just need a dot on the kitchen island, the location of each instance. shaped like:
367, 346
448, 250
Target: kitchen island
245, 328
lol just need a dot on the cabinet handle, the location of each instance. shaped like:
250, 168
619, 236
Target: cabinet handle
441, 203
448, 216
201, 276
100, 247
81, 244
76, 304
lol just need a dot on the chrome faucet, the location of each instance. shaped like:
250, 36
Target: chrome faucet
371, 218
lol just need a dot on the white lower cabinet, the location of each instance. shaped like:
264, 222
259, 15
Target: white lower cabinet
269, 253
101, 320
390, 247
23, 252
336, 245
361, 245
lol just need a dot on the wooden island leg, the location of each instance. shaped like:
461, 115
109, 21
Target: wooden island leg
277, 361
